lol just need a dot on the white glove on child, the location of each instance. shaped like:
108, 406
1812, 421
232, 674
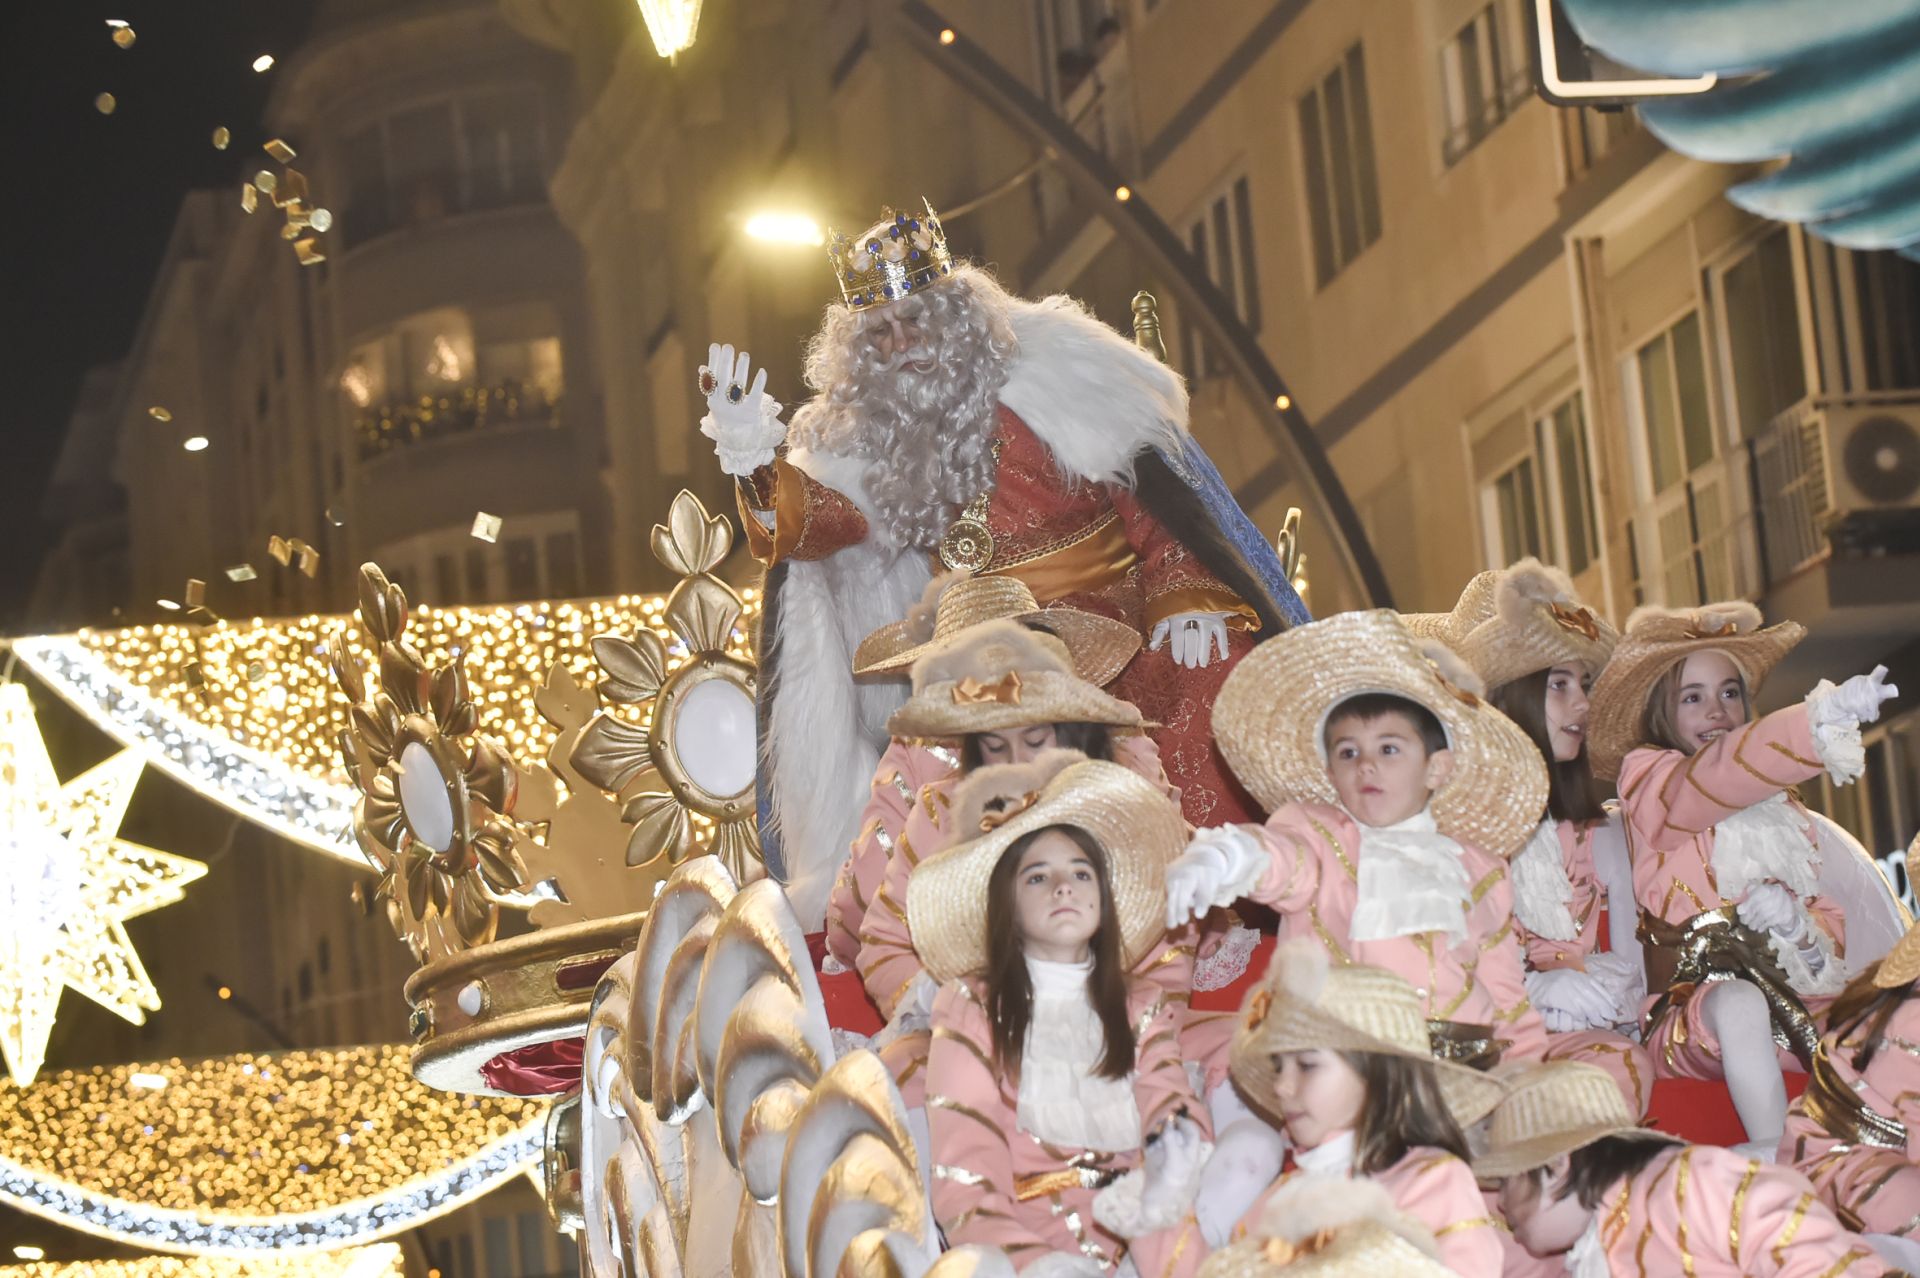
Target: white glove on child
1196, 637
743, 423
913, 1014
1857, 699
1569, 999
1221, 863
1158, 1194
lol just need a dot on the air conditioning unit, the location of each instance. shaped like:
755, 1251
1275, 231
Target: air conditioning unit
1871, 455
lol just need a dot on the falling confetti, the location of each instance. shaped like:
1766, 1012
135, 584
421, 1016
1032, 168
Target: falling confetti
194, 443
308, 254
105, 104
486, 527
123, 35
334, 517
266, 181
279, 549
221, 137
159, 413
241, 572
279, 150
263, 62
249, 198
320, 220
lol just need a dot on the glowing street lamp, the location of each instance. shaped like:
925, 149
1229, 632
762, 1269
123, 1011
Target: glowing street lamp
671, 23
786, 228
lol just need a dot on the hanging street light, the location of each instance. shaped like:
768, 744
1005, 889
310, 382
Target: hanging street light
671, 23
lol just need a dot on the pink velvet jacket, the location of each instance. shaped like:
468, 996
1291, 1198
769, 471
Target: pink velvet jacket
1438, 1190
1672, 801
1705, 1211
999, 1186
905, 769
1312, 880
1878, 1185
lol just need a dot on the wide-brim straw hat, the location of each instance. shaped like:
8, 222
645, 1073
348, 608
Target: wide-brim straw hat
1101, 647
1554, 1109
1537, 622
998, 675
1655, 639
1366, 1250
1140, 828
1901, 964
1474, 606
1307, 1004
1270, 720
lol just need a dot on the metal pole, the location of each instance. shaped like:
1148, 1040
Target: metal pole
1094, 177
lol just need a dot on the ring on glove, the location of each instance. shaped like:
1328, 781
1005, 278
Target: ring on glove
707, 381
1193, 624
735, 392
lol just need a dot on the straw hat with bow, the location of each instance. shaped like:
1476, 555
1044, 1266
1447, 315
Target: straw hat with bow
998, 675
1101, 647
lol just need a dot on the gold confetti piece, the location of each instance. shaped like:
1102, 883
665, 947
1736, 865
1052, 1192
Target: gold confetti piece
279, 150
256, 671
307, 253
278, 548
241, 572
124, 37
196, 677
486, 527
168, 604
290, 232
159, 414
194, 443
320, 220
196, 592
116, 22
202, 617
266, 181
335, 518
249, 198
290, 189
221, 137
105, 104
263, 62
309, 558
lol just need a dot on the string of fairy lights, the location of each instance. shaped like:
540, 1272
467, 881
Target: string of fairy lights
379, 1260
245, 712
250, 1153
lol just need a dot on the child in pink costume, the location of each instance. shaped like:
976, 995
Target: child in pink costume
1579, 1181
1007, 693
1100, 648
1538, 649
1052, 1071
1340, 1058
1397, 794
1719, 843
1855, 1131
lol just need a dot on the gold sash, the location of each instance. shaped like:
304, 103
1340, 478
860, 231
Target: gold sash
1714, 945
1465, 1043
1837, 1108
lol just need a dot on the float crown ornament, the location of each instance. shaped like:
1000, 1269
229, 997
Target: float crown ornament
67, 886
894, 258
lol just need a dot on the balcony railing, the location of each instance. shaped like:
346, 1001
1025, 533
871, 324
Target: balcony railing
458, 412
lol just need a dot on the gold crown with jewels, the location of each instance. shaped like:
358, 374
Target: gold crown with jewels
895, 257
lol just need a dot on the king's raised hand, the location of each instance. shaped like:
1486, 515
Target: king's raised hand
742, 420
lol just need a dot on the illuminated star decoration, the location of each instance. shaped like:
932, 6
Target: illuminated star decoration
67, 886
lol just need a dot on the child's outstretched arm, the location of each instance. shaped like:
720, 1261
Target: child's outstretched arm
1670, 797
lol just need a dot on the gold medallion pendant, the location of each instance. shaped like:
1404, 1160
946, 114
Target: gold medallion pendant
966, 546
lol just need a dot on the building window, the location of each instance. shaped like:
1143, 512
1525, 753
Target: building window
1483, 78
456, 155
1542, 504
1674, 416
1336, 143
1221, 238
1760, 315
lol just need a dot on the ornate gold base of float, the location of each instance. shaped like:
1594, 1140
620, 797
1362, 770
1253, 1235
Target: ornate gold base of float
482, 1005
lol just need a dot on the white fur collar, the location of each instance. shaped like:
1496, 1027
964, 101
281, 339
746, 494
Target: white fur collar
1091, 396
1542, 892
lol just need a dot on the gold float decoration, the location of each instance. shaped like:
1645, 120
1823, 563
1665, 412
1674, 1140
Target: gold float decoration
436, 795
70, 883
380, 1260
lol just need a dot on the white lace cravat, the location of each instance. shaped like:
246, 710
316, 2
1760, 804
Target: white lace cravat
1587, 1258
1413, 879
1542, 892
1062, 1100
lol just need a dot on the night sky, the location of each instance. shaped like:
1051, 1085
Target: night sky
92, 198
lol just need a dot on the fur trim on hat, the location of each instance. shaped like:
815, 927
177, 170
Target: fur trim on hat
917, 625
1743, 616
990, 788
1452, 667
988, 651
1300, 971
1527, 585
1308, 1205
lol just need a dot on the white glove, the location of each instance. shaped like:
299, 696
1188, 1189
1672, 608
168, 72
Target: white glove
1769, 907
1064, 1264
1158, 1194
1624, 978
743, 423
1569, 999
1220, 863
1196, 636
1857, 699
913, 1014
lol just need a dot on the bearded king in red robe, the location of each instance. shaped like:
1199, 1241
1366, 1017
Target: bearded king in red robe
955, 426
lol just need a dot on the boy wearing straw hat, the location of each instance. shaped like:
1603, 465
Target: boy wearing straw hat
1855, 1131
1100, 648
1726, 864
1397, 795
1578, 1179
1053, 1071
